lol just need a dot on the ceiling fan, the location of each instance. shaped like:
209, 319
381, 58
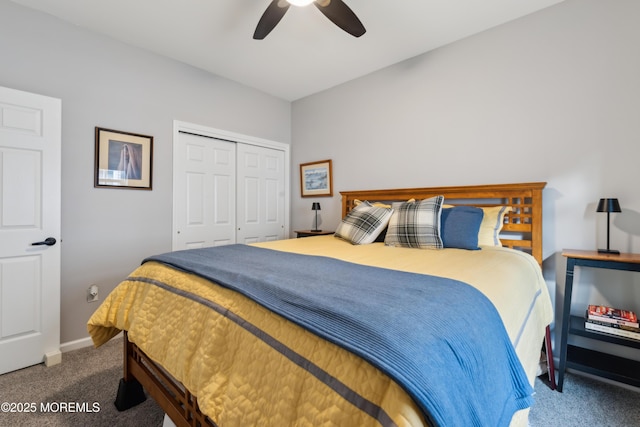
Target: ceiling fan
337, 12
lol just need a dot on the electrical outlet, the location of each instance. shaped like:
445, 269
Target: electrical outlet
92, 293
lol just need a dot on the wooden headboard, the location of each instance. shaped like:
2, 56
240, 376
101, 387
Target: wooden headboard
522, 228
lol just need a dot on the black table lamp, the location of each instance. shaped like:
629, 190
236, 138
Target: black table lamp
608, 206
316, 207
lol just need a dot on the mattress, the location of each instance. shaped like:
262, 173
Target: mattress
240, 380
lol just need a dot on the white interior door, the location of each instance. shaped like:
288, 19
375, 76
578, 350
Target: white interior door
261, 194
204, 182
30, 152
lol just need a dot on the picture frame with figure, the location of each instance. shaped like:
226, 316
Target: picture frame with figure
316, 179
123, 160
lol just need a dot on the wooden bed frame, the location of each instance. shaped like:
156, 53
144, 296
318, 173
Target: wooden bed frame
522, 231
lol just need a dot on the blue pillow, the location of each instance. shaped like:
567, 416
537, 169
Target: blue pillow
459, 227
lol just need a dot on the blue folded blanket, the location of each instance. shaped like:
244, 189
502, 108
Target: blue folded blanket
442, 340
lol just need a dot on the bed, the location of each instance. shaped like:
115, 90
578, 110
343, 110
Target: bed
212, 352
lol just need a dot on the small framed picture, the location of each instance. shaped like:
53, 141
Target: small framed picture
315, 179
123, 160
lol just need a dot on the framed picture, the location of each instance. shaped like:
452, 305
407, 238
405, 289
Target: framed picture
123, 160
315, 179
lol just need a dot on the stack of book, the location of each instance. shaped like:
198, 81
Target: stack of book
622, 323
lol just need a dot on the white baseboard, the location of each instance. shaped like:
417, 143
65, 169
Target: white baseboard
75, 345
52, 358
81, 343
166, 422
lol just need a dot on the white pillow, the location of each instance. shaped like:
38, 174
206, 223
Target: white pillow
492, 222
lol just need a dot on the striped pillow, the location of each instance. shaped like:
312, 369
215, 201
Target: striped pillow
363, 224
416, 224
489, 234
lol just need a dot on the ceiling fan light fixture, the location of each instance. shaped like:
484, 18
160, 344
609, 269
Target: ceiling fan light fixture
300, 2
335, 10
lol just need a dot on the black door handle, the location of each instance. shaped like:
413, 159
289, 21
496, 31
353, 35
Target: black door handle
49, 241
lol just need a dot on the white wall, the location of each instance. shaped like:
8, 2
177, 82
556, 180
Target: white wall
107, 232
553, 96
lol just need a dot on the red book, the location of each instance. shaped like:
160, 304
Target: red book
612, 315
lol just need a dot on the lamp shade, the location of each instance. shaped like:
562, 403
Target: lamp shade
315, 206
608, 205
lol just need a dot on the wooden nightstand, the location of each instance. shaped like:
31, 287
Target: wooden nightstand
309, 233
583, 359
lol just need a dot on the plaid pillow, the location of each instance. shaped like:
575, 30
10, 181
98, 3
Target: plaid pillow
363, 224
416, 224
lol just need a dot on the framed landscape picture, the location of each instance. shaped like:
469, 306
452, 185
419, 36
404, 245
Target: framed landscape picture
123, 159
316, 179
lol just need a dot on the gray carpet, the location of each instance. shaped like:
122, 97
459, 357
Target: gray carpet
86, 376
89, 376
585, 402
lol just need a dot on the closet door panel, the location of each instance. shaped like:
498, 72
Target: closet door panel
261, 194
204, 192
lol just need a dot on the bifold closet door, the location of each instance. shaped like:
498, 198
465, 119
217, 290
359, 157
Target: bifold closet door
260, 194
204, 192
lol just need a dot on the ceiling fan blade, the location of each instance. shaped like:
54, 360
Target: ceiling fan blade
341, 15
270, 18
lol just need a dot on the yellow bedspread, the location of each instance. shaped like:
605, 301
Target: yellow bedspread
242, 378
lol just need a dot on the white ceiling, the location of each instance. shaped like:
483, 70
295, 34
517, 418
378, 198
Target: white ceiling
306, 53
